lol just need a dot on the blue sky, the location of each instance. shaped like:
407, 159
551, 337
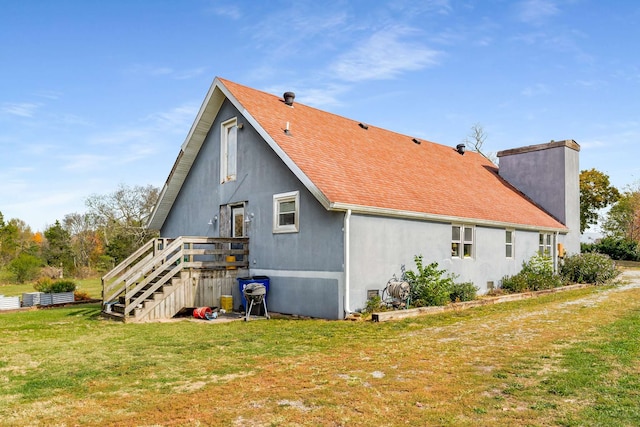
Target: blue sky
94, 94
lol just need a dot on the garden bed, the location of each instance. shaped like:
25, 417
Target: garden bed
385, 316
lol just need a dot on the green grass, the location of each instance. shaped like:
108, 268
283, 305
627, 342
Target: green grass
563, 359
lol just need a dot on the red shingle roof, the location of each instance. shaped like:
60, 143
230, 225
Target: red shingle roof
377, 168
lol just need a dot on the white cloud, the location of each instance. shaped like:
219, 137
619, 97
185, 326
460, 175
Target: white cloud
322, 97
535, 90
85, 162
412, 8
154, 128
228, 11
149, 70
49, 94
188, 74
385, 55
119, 137
162, 71
177, 118
22, 109
586, 145
536, 11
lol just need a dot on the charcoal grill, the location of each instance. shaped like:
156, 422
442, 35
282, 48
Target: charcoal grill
255, 293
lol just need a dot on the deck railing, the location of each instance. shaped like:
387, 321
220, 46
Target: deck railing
159, 260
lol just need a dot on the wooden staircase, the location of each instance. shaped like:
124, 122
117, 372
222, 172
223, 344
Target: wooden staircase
160, 278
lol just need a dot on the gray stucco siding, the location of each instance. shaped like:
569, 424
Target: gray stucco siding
306, 268
260, 175
539, 174
313, 294
550, 177
380, 246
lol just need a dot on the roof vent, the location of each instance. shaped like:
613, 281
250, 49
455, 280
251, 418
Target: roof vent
417, 141
363, 126
289, 97
460, 148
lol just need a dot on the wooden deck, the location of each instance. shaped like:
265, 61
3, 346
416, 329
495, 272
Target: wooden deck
166, 275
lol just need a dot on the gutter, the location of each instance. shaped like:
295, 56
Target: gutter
395, 213
347, 281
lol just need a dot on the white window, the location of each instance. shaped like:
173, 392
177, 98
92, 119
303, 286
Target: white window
545, 244
462, 241
286, 208
509, 236
228, 150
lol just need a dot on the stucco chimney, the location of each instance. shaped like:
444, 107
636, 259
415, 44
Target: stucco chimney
549, 174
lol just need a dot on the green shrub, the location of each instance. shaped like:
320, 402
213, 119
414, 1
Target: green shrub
429, 286
465, 291
515, 284
622, 249
589, 268
25, 267
536, 274
50, 286
374, 304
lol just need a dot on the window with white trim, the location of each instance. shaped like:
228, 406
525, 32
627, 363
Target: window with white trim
228, 150
286, 212
462, 241
509, 236
545, 244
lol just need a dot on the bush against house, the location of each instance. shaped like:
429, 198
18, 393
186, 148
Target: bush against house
589, 268
536, 274
432, 286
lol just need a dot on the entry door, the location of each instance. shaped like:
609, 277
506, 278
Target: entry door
237, 221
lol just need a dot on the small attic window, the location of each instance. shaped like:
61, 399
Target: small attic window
228, 150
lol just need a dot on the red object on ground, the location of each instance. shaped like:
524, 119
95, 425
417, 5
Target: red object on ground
201, 312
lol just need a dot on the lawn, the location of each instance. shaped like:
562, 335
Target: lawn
569, 359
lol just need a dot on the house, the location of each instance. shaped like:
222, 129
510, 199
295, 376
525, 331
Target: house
332, 208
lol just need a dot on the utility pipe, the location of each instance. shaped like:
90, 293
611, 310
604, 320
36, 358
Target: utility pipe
347, 280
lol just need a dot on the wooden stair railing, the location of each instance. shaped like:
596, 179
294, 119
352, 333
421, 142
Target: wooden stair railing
158, 261
114, 282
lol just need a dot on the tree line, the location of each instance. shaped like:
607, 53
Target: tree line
81, 244
620, 224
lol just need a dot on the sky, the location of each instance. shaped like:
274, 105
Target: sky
96, 94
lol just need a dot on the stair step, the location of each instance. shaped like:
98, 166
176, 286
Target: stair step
113, 316
117, 308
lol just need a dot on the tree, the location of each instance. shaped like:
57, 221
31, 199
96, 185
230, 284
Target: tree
475, 141
15, 238
8, 242
596, 192
122, 216
25, 267
623, 219
57, 251
86, 242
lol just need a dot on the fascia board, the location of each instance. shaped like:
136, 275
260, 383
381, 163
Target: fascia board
304, 179
368, 210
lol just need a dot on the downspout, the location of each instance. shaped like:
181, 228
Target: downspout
555, 252
347, 280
